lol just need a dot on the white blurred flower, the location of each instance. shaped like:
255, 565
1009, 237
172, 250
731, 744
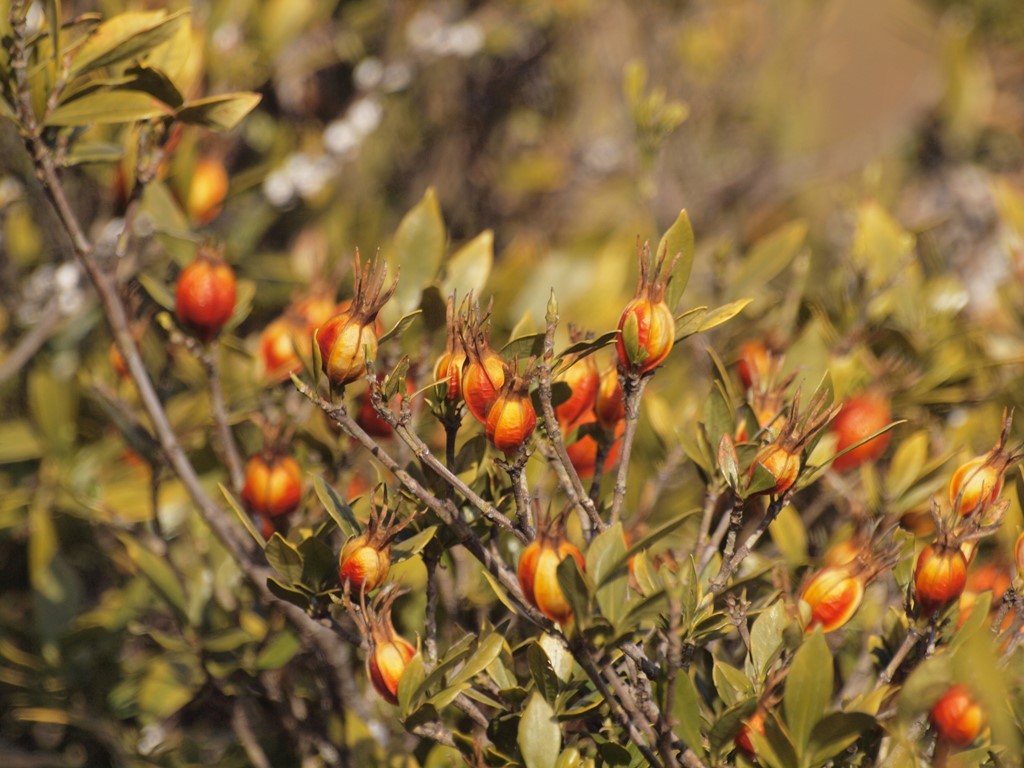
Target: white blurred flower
368, 73
424, 31
278, 188
464, 39
397, 76
364, 116
340, 137
227, 36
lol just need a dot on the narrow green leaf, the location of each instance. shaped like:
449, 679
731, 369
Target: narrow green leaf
157, 290
722, 314
408, 685
728, 462
678, 240
336, 507
543, 672
766, 641
400, 327
418, 247
243, 516
687, 713
159, 574
288, 594
19, 442
574, 587
608, 567
220, 113
467, 270
284, 558
279, 651
523, 347
124, 37
835, 732
487, 651
808, 690
768, 257
84, 152
540, 737
689, 322
631, 340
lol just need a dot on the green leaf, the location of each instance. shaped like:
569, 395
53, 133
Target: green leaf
84, 152
243, 516
19, 442
284, 558
157, 290
574, 587
124, 37
728, 462
287, 593
467, 270
766, 641
678, 240
400, 327
156, 84
768, 257
169, 684
543, 672
336, 507
789, 535
523, 347
406, 548
722, 314
729, 722
808, 690
220, 113
418, 247
689, 322
631, 340
908, 461
487, 651
687, 713
52, 405
279, 651
319, 565
409, 684
574, 352
607, 566
107, 106
540, 737
835, 732
159, 574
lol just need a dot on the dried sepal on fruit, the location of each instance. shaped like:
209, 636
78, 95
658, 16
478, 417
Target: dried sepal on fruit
512, 417
538, 569
782, 458
365, 559
646, 327
349, 339
388, 654
977, 483
484, 372
205, 296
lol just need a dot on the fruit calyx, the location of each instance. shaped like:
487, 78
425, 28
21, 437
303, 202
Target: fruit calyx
365, 558
484, 372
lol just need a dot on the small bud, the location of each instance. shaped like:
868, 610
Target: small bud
834, 595
957, 718
204, 299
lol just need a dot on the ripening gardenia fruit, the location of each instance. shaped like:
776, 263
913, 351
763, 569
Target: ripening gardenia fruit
484, 372
389, 654
861, 416
754, 363
450, 365
646, 327
782, 458
939, 576
583, 451
957, 717
204, 299
206, 191
512, 417
742, 740
977, 484
583, 380
349, 339
365, 559
538, 571
273, 485
834, 594
279, 349
609, 407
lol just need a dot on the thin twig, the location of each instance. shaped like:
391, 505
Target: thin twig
33, 341
242, 726
228, 447
901, 654
633, 385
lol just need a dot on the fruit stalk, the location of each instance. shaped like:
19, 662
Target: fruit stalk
633, 385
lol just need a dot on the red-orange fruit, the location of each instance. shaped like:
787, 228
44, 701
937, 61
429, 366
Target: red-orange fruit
834, 594
609, 406
273, 486
207, 190
584, 380
278, 348
976, 483
754, 361
655, 329
448, 370
783, 465
482, 380
939, 576
512, 417
957, 718
538, 575
390, 654
861, 416
364, 563
583, 452
204, 299
742, 740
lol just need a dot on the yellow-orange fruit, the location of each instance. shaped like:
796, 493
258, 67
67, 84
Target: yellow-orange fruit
448, 370
345, 346
538, 575
957, 718
386, 663
206, 191
273, 486
742, 740
939, 576
511, 421
861, 416
583, 452
609, 406
976, 483
278, 348
655, 333
482, 380
834, 594
204, 299
364, 563
783, 465
584, 380
754, 361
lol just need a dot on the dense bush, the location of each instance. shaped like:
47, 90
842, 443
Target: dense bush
538, 478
